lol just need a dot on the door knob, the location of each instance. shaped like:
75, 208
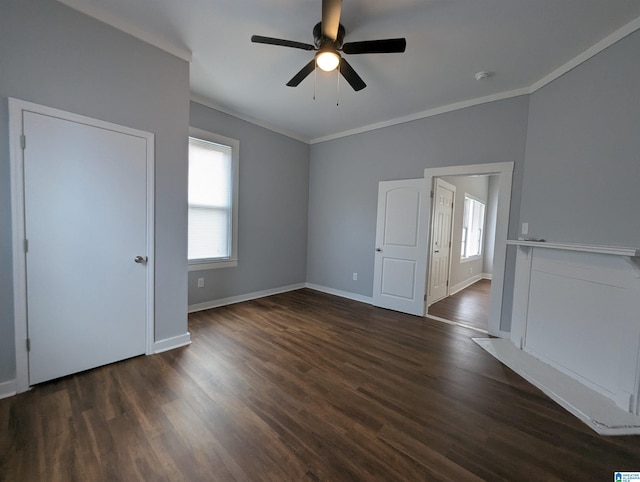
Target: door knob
140, 259
378, 249
437, 251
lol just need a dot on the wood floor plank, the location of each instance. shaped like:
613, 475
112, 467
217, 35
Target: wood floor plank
469, 306
304, 386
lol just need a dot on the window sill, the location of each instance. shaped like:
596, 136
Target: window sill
471, 258
212, 264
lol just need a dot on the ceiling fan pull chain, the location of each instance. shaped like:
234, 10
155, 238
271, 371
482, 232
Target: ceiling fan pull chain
338, 89
314, 81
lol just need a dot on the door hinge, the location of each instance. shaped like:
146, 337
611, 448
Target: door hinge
425, 297
431, 194
23, 141
447, 282
26, 245
28, 344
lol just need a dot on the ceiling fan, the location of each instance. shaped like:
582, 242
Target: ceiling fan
328, 36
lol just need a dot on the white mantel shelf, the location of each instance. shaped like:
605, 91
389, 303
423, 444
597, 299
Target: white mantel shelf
585, 248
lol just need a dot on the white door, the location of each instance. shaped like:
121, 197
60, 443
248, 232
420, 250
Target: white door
443, 197
85, 206
401, 246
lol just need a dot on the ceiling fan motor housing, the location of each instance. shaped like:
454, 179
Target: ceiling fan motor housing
320, 41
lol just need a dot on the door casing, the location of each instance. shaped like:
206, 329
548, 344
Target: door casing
16, 109
505, 171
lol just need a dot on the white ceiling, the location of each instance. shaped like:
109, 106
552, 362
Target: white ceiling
448, 42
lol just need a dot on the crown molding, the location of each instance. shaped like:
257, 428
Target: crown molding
592, 51
424, 114
202, 100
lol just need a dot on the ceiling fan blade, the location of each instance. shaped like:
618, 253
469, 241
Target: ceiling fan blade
351, 76
386, 46
300, 76
259, 39
331, 18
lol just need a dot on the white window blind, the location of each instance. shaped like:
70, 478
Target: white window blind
210, 200
472, 228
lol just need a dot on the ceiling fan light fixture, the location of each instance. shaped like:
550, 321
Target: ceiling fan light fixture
327, 60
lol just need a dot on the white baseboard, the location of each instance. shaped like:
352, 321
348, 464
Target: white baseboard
207, 305
343, 294
8, 389
464, 284
488, 276
171, 343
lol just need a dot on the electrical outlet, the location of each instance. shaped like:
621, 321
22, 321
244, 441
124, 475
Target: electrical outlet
525, 228
200, 282
355, 276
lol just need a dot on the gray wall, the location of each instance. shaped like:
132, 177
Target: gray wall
477, 187
345, 172
273, 198
582, 165
55, 56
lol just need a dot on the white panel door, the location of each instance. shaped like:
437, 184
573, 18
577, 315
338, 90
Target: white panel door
85, 222
441, 240
401, 246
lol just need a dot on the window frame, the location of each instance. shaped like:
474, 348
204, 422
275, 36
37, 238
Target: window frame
234, 144
464, 235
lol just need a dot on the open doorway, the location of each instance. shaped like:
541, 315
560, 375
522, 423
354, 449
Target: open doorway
503, 172
462, 249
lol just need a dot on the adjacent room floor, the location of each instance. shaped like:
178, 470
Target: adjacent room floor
304, 386
469, 306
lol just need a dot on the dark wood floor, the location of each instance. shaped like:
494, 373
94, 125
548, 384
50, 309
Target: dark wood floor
469, 306
304, 386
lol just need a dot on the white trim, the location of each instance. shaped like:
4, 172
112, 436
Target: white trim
488, 276
151, 239
102, 15
464, 284
201, 265
234, 144
16, 109
19, 261
505, 170
456, 323
171, 343
207, 305
585, 248
471, 169
206, 102
7, 389
424, 114
472, 258
343, 294
587, 54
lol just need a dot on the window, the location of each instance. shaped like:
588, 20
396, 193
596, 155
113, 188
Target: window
213, 199
472, 228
